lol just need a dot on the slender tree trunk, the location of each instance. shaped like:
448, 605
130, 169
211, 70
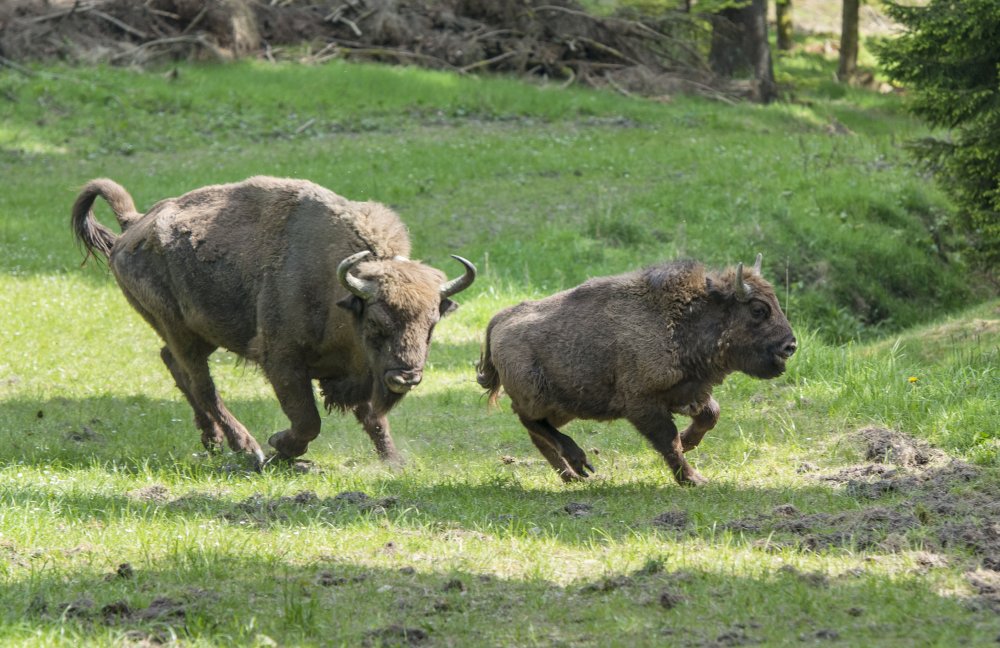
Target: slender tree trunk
783, 14
739, 46
767, 88
849, 41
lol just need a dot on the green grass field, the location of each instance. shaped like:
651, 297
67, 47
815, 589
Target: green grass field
117, 529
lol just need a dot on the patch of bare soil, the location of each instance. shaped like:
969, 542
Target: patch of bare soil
395, 635
928, 490
264, 511
161, 609
920, 488
987, 584
155, 493
555, 39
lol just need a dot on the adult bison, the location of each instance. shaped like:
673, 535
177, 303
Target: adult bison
641, 346
264, 268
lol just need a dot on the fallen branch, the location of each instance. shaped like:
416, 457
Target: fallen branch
58, 14
118, 23
6, 62
489, 61
309, 122
388, 51
611, 82
601, 47
197, 19
174, 40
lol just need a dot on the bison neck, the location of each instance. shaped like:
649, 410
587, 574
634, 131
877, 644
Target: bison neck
697, 337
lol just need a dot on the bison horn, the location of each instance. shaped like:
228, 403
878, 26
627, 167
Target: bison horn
740, 287
454, 286
363, 288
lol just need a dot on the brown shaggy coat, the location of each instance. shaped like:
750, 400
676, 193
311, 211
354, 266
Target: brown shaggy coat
641, 346
253, 267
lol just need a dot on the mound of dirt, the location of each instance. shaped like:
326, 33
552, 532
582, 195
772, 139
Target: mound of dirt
888, 446
556, 39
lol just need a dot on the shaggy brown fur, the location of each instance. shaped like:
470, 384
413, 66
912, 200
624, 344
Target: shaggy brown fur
641, 346
252, 267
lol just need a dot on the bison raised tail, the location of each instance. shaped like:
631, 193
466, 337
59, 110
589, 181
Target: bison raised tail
486, 372
94, 236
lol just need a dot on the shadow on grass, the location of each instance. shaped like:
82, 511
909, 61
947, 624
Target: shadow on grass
213, 596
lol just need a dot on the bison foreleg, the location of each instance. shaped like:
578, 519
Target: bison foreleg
377, 427
295, 394
661, 432
568, 459
701, 423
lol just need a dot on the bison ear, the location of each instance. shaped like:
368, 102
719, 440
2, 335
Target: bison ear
447, 306
352, 303
717, 292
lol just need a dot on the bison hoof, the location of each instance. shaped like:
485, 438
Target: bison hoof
693, 478
394, 461
570, 476
257, 459
286, 445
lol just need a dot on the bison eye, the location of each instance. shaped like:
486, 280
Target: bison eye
759, 310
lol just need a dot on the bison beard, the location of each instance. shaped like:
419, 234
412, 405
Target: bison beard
642, 346
288, 275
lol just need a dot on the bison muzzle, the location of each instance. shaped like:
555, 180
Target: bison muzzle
642, 346
288, 275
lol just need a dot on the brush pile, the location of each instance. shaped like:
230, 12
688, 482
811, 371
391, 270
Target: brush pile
554, 39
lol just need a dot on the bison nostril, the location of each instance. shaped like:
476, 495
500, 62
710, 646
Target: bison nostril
790, 348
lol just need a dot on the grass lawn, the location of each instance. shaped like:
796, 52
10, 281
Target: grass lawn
853, 501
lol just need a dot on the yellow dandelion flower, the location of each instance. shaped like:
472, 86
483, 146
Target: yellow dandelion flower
912, 379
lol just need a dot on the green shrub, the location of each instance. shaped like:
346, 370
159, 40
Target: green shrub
949, 59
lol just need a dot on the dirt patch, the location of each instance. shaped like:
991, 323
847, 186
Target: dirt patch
552, 39
578, 509
918, 487
889, 446
395, 635
85, 434
986, 584
674, 520
155, 493
329, 579
264, 511
670, 599
162, 609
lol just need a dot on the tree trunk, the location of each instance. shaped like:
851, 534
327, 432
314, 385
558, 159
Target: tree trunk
739, 47
849, 41
783, 15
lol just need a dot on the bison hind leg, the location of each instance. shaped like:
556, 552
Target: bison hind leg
212, 436
188, 363
560, 450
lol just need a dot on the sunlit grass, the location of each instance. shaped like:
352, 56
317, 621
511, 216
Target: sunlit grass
474, 542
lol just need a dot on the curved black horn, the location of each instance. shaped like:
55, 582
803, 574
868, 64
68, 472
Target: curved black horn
739, 286
361, 287
454, 286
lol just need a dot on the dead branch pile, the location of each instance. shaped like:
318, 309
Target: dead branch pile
555, 39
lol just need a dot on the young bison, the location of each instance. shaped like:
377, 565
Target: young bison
641, 346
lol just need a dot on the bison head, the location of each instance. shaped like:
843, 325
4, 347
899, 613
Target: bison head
396, 304
757, 338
